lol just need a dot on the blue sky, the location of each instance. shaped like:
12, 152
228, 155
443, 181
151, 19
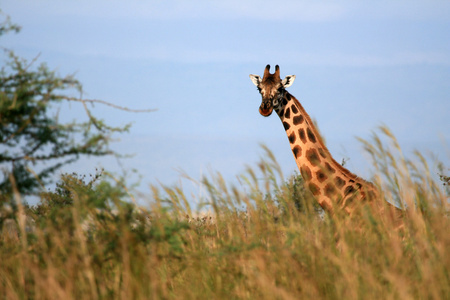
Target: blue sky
359, 64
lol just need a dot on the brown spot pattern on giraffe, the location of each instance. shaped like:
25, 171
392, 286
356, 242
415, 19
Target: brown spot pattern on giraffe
306, 173
339, 182
297, 151
329, 168
298, 119
286, 126
294, 109
292, 138
314, 189
321, 176
313, 157
301, 134
348, 190
287, 113
322, 153
311, 135
330, 190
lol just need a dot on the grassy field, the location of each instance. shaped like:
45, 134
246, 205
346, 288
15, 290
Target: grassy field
262, 240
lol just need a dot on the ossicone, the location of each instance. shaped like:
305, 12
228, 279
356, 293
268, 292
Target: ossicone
277, 71
267, 71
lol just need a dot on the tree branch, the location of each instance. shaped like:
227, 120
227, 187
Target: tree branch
108, 104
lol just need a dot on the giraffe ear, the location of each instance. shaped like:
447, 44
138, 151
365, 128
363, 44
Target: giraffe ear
288, 81
255, 79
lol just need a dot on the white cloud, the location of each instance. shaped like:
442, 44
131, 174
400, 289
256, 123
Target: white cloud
214, 55
329, 58
262, 10
106, 29
369, 60
182, 9
399, 9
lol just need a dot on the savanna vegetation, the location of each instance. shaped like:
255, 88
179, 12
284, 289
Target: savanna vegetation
263, 239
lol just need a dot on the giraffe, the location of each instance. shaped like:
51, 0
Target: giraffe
332, 185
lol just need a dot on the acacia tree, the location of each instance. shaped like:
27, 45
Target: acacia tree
31, 135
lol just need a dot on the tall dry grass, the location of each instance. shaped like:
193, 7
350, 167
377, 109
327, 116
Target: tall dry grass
89, 242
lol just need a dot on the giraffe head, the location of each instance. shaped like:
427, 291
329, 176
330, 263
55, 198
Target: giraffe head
271, 88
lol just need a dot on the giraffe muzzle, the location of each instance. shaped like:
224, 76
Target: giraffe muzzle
266, 108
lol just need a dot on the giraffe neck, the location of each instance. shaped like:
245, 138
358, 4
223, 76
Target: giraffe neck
330, 183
